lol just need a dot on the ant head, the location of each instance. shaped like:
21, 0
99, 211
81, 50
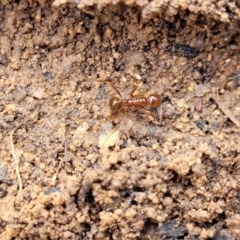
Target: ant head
154, 100
115, 105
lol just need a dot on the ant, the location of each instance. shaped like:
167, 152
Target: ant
119, 106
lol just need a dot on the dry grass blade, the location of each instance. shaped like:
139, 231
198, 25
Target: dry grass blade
16, 162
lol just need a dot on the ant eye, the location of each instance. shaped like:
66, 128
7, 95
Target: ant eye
154, 100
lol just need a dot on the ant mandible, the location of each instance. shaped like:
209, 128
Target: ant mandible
120, 105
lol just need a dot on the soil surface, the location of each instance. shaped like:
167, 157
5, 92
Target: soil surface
70, 169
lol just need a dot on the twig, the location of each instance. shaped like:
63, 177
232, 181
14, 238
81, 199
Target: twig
16, 162
60, 163
227, 111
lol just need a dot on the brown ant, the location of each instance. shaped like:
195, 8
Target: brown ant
119, 106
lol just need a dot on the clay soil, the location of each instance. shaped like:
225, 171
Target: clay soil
69, 170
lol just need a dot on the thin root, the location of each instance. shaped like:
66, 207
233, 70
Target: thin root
54, 178
16, 162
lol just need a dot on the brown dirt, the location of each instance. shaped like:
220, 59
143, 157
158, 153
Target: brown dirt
85, 176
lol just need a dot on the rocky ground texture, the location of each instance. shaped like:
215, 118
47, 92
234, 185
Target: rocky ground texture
71, 170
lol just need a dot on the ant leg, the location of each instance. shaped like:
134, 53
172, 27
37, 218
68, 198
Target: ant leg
132, 92
136, 87
112, 85
115, 88
147, 112
115, 117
